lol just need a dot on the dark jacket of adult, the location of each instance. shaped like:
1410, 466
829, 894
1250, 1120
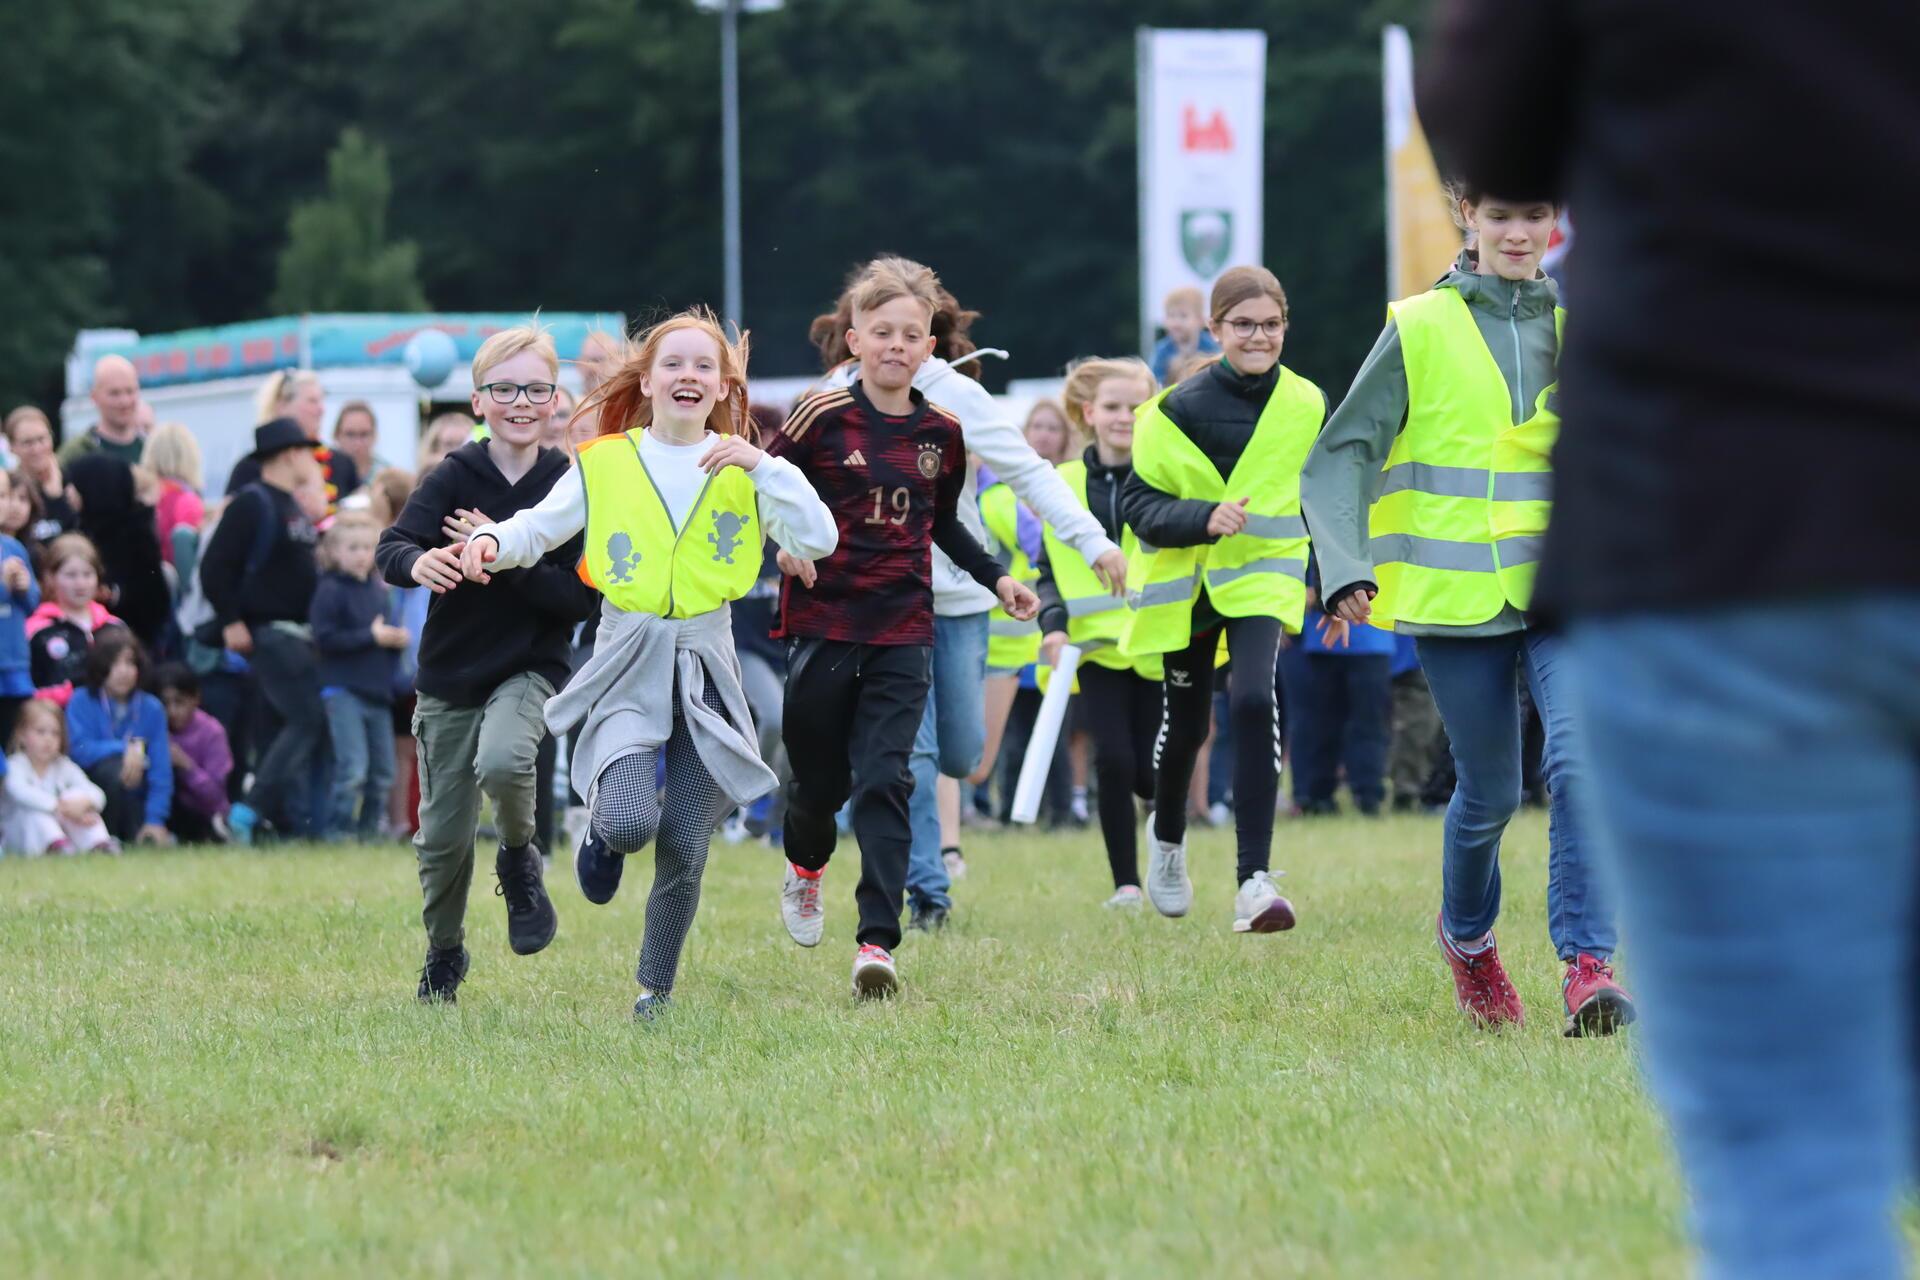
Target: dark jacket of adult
478, 635
1741, 376
121, 527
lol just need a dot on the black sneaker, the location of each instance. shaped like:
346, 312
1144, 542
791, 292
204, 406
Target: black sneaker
442, 974
650, 1006
928, 919
597, 867
531, 921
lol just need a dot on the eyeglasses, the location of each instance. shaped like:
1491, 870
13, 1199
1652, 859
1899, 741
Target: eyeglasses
508, 392
1243, 329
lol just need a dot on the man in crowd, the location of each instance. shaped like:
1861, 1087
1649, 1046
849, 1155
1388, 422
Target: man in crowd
116, 394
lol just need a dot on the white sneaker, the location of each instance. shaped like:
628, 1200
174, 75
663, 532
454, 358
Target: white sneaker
1219, 815
800, 907
956, 864
1167, 883
874, 977
734, 829
1259, 908
1126, 898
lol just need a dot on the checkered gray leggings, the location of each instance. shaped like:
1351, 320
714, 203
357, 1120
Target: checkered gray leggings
628, 813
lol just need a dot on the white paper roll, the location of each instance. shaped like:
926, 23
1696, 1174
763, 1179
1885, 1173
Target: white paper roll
1046, 734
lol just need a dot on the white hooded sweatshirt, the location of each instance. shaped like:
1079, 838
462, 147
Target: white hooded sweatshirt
996, 440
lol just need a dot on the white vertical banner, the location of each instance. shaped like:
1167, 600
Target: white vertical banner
1202, 103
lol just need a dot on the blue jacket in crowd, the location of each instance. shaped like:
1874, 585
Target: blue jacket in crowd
343, 612
98, 728
15, 660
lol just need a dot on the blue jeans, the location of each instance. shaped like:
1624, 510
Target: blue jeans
1475, 684
1338, 712
362, 734
1757, 784
953, 733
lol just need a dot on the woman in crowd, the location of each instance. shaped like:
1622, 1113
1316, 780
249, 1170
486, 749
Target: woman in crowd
31, 436
297, 394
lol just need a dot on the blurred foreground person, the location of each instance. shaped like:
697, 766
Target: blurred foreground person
1742, 422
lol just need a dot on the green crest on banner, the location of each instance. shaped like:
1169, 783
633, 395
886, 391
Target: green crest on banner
1206, 239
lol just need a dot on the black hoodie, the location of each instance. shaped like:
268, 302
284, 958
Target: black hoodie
477, 636
1104, 488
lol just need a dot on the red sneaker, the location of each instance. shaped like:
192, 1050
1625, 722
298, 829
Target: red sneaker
1596, 1004
1480, 985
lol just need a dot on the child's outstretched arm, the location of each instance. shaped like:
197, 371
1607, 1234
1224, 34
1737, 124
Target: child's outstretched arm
791, 513
524, 537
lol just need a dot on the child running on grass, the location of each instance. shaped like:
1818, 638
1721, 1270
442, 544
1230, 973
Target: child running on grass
860, 623
491, 654
1215, 493
1120, 698
674, 498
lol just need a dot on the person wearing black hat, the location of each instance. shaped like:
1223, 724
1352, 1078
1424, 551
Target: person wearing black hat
258, 572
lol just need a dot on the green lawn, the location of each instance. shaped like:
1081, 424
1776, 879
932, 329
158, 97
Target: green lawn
213, 1065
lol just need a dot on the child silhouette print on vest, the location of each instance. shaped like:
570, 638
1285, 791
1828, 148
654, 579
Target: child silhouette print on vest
624, 558
728, 528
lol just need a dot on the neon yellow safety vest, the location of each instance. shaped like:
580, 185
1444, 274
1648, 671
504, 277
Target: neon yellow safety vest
1095, 616
1260, 571
635, 556
1011, 644
1457, 529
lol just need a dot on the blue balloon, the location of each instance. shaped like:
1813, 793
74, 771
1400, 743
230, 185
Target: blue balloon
430, 356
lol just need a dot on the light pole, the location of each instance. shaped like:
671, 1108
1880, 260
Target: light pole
730, 11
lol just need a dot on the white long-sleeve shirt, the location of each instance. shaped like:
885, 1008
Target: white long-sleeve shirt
995, 439
40, 792
790, 511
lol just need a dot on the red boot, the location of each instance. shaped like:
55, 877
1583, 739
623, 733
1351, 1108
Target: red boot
1596, 1004
1480, 985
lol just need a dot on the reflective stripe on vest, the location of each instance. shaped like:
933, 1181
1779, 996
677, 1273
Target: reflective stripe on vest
640, 561
1457, 526
1260, 571
1095, 616
1011, 644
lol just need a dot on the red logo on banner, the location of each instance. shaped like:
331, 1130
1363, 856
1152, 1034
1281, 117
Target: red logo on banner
1214, 135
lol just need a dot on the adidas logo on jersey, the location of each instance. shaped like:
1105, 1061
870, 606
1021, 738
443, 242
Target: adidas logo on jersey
855, 459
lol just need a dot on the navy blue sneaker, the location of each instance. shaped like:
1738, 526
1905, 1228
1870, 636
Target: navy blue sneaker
597, 867
650, 1006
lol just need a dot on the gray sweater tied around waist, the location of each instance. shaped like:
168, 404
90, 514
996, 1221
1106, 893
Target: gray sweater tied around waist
623, 699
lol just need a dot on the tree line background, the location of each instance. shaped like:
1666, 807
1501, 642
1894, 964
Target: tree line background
203, 161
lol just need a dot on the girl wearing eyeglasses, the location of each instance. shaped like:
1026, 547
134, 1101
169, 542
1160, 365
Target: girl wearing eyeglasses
1428, 494
1214, 499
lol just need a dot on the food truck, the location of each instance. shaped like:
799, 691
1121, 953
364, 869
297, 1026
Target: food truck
405, 367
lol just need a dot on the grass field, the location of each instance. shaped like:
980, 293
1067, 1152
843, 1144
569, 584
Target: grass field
213, 1065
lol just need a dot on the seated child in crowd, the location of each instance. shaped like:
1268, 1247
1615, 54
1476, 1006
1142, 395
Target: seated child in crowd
62, 629
51, 805
118, 734
202, 760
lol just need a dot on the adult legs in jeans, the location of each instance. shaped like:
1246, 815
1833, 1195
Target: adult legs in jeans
629, 814
1476, 684
1252, 646
286, 681
1760, 797
464, 751
952, 733
1316, 703
1122, 715
861, 705
1366, 728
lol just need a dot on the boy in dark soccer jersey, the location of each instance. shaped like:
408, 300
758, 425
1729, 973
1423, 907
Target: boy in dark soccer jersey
859, 624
